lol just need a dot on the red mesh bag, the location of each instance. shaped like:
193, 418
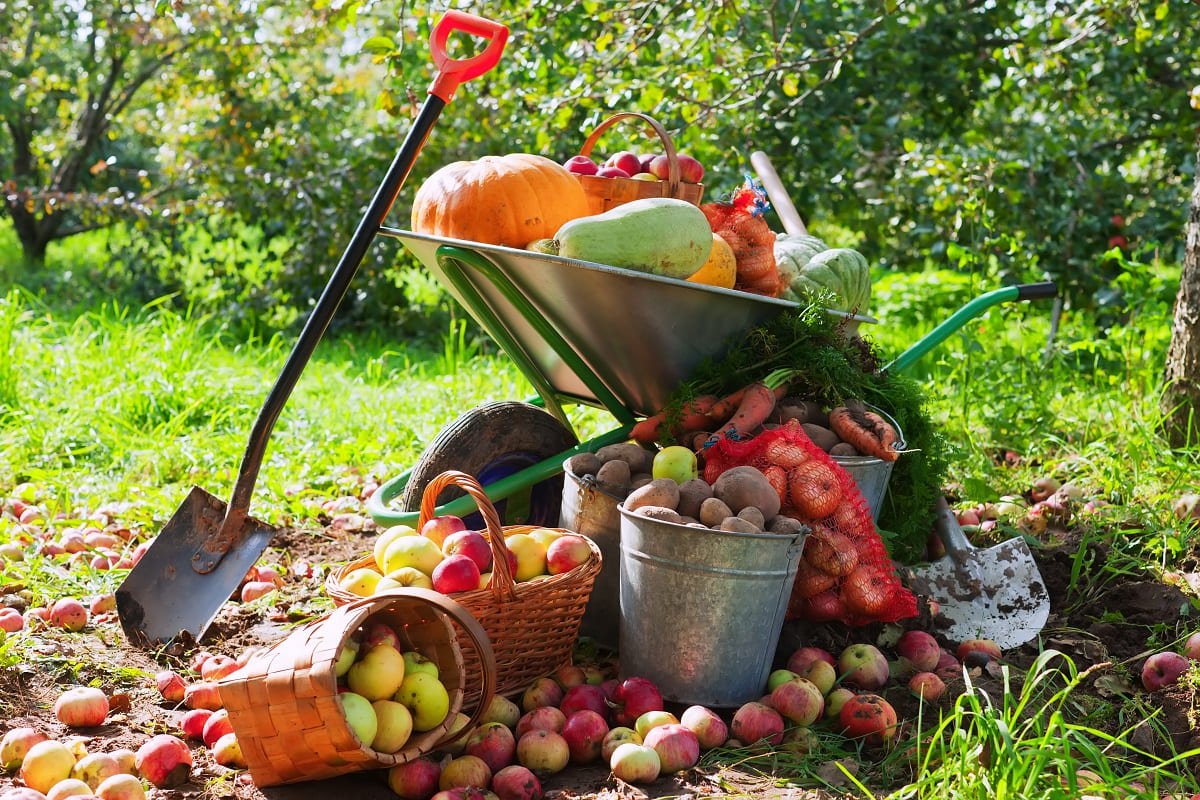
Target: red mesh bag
740, 223
845, 573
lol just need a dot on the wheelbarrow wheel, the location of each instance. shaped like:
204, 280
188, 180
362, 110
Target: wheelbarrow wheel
490, 442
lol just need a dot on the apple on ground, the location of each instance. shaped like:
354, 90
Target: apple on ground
465, 771
218, 667
863, 666
583, 696
542, 692
948, 667
494, 743
255, 589
870, 718
81, 707
543, 752
677, 747
985, 646
799, 701
711, 731
544, 718
754, 722
45, 764
927, 686
779, 676
568, 675
920, 649
615, 738
1191, 648
165, 761
192, 723
502, 710
800, 741
16, 744
69, 787
651, 720
516, 782
126, 758
215, 727
635, 696
228, 752
584, 734
121, 786
170, 685
635, 763
835, 700
69, 614
1162, 670
821, 674
415, 780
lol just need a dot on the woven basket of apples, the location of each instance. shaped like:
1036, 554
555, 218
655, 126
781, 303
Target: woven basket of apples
375, 683
626, 176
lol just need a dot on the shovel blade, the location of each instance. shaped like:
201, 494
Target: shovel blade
163, 596
995, 593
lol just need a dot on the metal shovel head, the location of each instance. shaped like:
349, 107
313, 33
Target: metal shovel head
995, 593
164, 596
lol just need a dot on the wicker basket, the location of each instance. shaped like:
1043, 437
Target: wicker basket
532, 625
283, 703
606, 193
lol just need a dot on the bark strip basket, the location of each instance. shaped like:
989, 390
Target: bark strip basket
532, 625
284, 704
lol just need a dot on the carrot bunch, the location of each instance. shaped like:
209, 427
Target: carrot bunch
738, 415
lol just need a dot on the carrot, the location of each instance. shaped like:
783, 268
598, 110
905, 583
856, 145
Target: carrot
866, 431
723, 409
695, 417
648, 430
754, 409
653, 428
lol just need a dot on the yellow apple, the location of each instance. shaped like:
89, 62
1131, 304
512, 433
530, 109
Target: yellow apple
387, 537
411, 551
45, 764
395, 726
456, 747
426, 698
545, 536
361, 581
360, 716
485, 580
530, 553
378, 674
414, 662
408, 576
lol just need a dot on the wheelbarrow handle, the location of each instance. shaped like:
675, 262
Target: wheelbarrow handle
1025, 291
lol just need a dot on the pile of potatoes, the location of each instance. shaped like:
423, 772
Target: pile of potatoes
741, 500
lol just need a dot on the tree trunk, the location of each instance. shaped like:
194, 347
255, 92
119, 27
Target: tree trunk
1181, 389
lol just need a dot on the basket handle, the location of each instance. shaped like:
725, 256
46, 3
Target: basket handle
668, 147
503, 582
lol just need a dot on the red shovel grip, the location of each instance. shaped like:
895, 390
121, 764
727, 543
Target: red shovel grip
453, 71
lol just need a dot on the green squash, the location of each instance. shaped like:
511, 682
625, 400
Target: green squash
792, 253
842, 271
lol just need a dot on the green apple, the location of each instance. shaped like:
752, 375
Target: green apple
395, 726
651, 720
644, 176
411, 551
501, 709
531, 555
378, 674
361, 581
779, 676
456, 747
426, 698
674, 462
414, 662
387, 537
345, 658
360, 716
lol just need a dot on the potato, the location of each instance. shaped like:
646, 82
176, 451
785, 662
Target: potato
660, 513
663, 492
786, 526
637, 457
745, 486
712, 511
699, 525
802, 411
691, 494
822, 437
753, 516
613, 477
843, 449
582, 464
738, 525
639, 480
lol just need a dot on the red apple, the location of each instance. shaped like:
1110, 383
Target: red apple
677, 747
103, 603
192, 723
198, 659
947, 667
515, 782
81, 707
804, 656
545, 718
711, 731
11, 620
580, 165
584, 734
870, 718
568, 676
644, 161
611, 172
985, 646
202, 695
543, 752
215, 727
920, 649
68, 614
798, 701
567, 552
378, 633
165, 761
440, 528
218, 667
494, 743
1043, 488
635, 763
635, 696
1162, 670
863, 666
416, 780
1191, 648
584, 696
255, 589
170, 685
472, 544
542, 692
465, 771
927, 686
625, 161
456, 573
754, 722
690, 170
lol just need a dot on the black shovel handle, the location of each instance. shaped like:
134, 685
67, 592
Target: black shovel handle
451, 72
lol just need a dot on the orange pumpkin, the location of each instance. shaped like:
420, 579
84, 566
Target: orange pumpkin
507, 200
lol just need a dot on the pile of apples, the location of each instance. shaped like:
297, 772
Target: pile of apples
388, 694
448, 558
53, 769
640, 167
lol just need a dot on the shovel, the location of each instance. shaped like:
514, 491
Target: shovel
205, 550
996, 594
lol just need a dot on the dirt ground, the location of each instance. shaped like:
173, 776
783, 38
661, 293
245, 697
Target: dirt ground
1097, 624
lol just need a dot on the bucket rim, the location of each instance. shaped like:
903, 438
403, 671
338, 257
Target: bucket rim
633, 516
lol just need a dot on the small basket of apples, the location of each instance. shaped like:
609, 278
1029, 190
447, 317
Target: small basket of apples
375, 683
626, 176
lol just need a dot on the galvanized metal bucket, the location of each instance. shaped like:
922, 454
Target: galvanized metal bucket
701, 610
591, 511
872, 474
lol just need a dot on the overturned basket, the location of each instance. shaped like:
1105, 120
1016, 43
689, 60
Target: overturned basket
605, 193
532, 626
284, 705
